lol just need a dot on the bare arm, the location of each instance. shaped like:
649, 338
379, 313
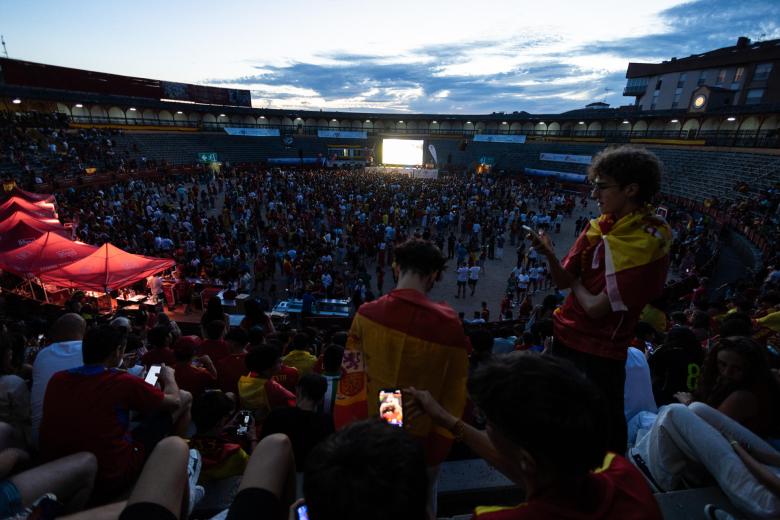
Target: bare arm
423, 403
762, 474
172, 399
595, 305
740, 406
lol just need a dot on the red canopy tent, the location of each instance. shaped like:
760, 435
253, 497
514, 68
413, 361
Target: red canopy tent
31, 197
47, 252
106, 269
17, 232
37, 210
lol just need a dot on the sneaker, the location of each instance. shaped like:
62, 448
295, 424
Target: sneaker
193, 474
713, 512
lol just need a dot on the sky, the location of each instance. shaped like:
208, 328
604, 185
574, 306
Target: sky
459, 57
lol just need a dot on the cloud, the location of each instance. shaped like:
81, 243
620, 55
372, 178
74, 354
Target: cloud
538, 73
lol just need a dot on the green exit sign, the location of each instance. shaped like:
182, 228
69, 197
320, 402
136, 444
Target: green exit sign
207, 157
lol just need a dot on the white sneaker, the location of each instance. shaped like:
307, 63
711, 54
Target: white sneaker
193, 474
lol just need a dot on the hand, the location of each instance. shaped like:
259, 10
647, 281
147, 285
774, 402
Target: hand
685, 398
421, 403
542, 243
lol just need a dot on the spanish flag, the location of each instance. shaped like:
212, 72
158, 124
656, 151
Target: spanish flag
636, 240
404, 339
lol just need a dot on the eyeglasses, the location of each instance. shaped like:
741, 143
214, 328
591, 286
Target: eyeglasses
601, 186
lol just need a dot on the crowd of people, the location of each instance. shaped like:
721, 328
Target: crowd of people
590, 401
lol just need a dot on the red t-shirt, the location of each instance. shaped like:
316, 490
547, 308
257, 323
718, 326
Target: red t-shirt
229, 370
287, 377
216, 349
88, 409
610, 335
159, 356
616, 491
194, 379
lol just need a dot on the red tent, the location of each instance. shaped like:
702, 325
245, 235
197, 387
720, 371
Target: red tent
106, 269
48, 251
22, 229
31, 197
37, 210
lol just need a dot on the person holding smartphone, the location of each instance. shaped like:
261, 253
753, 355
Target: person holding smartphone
617, 265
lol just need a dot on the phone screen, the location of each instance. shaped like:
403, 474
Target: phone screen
303, 512
243, 424
391, 408
153, 374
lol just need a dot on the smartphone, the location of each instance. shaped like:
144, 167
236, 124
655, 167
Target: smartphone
303, 512
527, 228
391, 408
245, 417
153, 374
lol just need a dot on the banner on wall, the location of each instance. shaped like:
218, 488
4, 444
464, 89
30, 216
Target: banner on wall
253, 132
559, 157
340, 134
488, 138
432, 149
563, 176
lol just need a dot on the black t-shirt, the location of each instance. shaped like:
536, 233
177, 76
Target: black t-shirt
305, 430
674, 369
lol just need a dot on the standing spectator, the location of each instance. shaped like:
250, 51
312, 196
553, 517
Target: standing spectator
613, 269
463, 276
64, 353
474, 277
14, 393
300, 356
397, 338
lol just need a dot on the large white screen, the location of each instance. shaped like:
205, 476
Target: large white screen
402, 151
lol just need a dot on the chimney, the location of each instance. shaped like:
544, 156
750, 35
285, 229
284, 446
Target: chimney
743, 42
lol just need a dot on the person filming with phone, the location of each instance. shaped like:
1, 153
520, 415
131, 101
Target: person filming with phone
617, 265
88, 409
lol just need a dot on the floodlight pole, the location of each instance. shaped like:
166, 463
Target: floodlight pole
2, 40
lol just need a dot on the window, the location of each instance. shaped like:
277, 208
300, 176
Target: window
735, 86
762, 71
678, 91
681, 79
652, 106
721, 77
754, 96
658, 84
702, 78
738, 75
676, 101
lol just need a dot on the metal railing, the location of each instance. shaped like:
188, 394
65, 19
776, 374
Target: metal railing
742, 138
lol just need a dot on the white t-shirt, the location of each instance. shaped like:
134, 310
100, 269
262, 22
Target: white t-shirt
522, 280
463, 273
50, 360
474, 272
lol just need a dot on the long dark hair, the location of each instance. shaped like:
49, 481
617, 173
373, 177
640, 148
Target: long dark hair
713, 390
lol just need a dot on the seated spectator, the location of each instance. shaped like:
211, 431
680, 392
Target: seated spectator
331, 371
193, 374
691, 445
70, 478
300, 356
231, 367
257, 390
214, 345
736, 380
529, 341
504, 341
212, 413
160, 351
304, 423
675, 366
63, 354
545, 431
14, 394
99, 400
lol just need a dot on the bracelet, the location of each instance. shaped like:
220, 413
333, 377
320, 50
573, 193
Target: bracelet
458, 430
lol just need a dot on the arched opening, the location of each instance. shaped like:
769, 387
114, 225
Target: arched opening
209, 118
116, 114
750, 124
516, 127
594, 128
710, 125
770, 123
98, 114
180, 116
554, 128
640, 128
150, 117
165, 117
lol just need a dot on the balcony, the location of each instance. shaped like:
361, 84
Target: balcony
635, 90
